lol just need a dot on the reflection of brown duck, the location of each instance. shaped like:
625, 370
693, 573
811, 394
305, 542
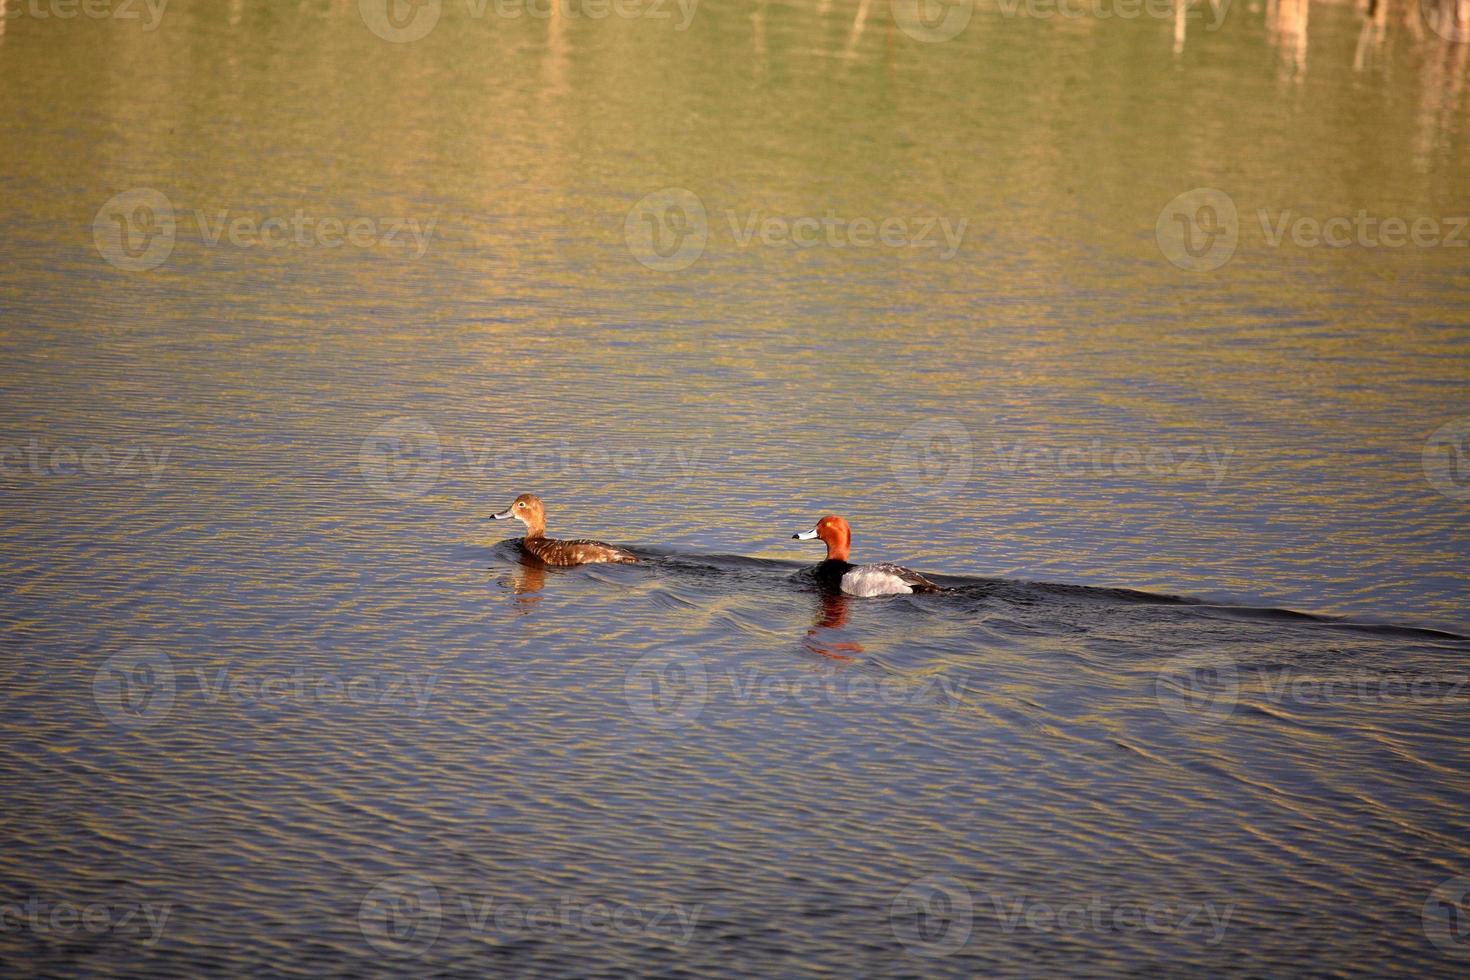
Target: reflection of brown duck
526, 580
530, 511
831, 615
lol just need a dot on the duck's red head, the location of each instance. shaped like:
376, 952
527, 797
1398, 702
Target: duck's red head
529, 510
834, 532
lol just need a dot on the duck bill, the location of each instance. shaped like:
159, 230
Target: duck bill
805, 535
504, 515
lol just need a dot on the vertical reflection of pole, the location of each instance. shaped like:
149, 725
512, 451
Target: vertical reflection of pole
1370, 38
858, 23
1303, 7
1286, 25
556, 51
1181, 19
758, 38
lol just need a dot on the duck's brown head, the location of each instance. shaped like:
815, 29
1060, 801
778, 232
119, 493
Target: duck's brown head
834, 532
529, 510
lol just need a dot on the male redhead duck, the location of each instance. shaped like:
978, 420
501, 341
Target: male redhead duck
838, 573
530, 511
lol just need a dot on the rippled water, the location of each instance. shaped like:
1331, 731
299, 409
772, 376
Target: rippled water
279, 698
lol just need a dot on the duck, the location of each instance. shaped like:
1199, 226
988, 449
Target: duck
862, 580
530, 511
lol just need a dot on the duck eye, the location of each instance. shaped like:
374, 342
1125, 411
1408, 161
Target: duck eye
522, 504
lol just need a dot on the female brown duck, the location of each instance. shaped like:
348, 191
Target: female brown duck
530, 511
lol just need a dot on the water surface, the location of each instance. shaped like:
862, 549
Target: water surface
268, 663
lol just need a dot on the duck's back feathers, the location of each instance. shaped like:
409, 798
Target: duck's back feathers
885, 579
578, 552
868, 580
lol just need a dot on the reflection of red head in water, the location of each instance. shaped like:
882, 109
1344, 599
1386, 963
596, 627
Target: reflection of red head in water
832, 615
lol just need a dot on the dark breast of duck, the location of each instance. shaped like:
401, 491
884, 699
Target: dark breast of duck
830, 571
581, 552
